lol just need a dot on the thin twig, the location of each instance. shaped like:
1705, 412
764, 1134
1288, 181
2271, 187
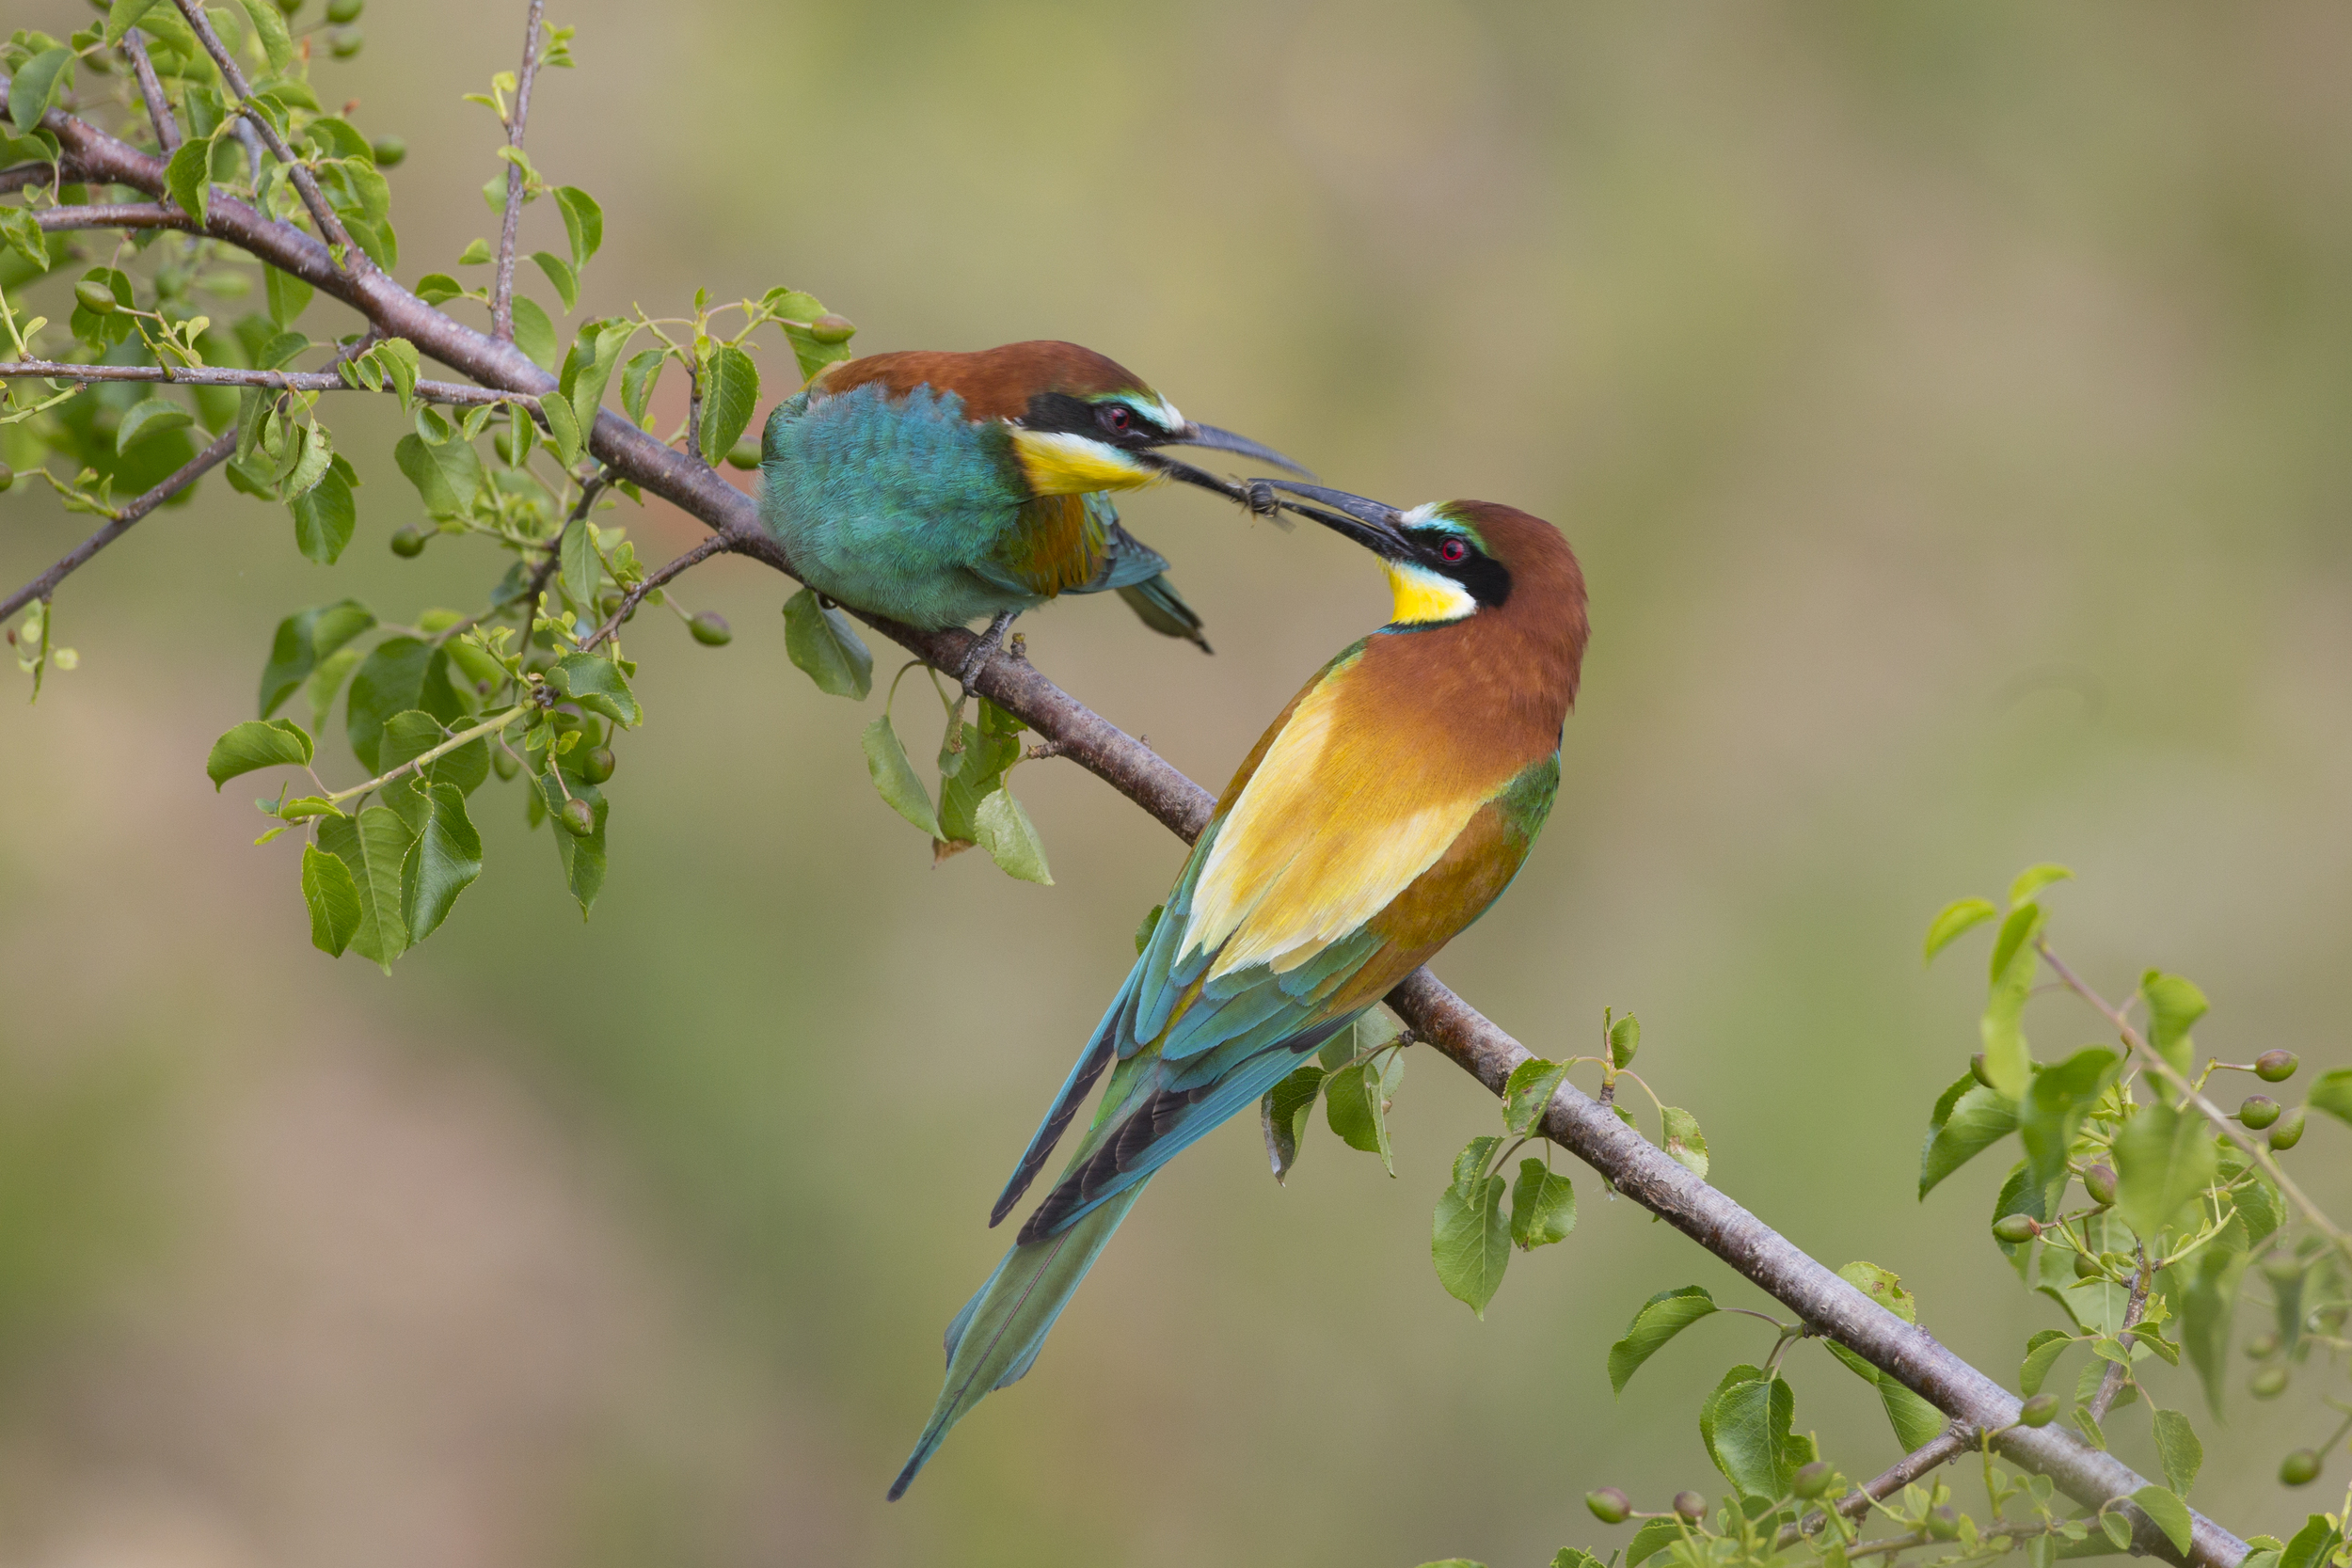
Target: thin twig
75, 559
1942, 1448
551, 556
331, 226
151, 89
510, 227
2111, 1381
223, 375
629, 601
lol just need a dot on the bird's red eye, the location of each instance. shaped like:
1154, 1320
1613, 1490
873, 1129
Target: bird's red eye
1117, 417
1454, 552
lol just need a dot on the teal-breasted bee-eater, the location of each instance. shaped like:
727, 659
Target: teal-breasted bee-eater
940, 489
1389, 805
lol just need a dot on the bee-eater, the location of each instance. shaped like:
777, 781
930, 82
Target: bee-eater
1389, 805
941, 488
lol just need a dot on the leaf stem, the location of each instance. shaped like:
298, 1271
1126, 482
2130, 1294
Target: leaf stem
488, 726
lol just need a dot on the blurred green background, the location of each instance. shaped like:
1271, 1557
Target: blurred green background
1950, 403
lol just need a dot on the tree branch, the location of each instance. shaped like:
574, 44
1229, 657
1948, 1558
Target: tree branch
114, 215
151, 89
510, 226
1942, 1448
75, 559
1633, 1166
629, 601
2111, 1381
223, 375
331, 226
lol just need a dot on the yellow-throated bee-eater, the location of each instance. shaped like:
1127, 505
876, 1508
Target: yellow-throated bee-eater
1389, 805
941, 488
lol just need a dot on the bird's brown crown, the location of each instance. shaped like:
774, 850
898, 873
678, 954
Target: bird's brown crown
994, 383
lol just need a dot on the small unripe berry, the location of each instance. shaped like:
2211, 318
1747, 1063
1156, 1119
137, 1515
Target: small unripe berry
743, 454
1812, 1479
578, 818
7, 476
503, 762
341, 13
830, 328
2099, 1181
2299, 1468
596, 764
1943, 1523
290, 7
1979, 1070
2039, 1411
2088, 1266
2267, 1383
2276, 1067
95, 297
2258, 1112
343, 42
408, 541
609, 605
2262, 1347
2283, 1268
710, 629
1609, 1505
2014, 1228
389, 151
2289, 1130
1690, 1506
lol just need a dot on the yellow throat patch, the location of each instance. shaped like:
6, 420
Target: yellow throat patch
1425, 597
1057, 463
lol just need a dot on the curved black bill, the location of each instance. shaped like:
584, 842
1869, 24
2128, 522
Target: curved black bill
1374, 525
1225, 440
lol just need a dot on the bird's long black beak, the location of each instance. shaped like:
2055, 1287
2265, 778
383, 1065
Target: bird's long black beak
1225, 440
1376, 525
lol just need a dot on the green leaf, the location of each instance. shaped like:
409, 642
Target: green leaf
981, 765
563, 431
333, 898
2204, 1289
2174, 1005
588, 370
287, 295
1916, 1422
2169, 1513
582, 858
2020, 1195
2332, 1093
324, 518
447, 475
1654, 1536
637, 383
1625, 1038
1356, 1104
325, 681
255, 744
1746, 1427
2053, 1109
2117, 1530
2008, 1062
730, 388
2313, 1545
1283, 1112
188, 179
1663, 1316
580, 566
1883, 1286
302, 640
560, 273
1471, 1242
35, 87
1575, 1556
826, 647
1685, 1142
269, 25
1956, 918
1543, 1206
148, 419
1529, 1089
1011, 838
2042, 1354
895, 778
2178, 1447
372, 846
597, 685
2162, 1161
441, 863
583, 223
2034, 879
122, 16
391, 680
1968, 1120
535, 334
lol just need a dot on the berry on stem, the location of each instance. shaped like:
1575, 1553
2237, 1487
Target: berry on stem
1610, 1505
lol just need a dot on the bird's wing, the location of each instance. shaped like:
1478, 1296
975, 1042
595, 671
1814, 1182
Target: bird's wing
1056, 544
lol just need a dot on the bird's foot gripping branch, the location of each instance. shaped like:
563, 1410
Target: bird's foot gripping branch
141, 359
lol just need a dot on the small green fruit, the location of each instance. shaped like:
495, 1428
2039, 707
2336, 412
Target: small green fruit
290, 7
710, 629
2039, 1411
389, 151
343, 13
502, 762
2267, 1383
2299, 1468
1812, 1479
830, 328
2014, 1228
578, 818
1943, 1523
2283, 1268
408, 541
2258, 1112
2289, 1130
7, 476
343, 42
95, 297
1609, 1505
2099, 1181
2262, 1347
2088, 1266
743, 454
596, 765
1690, 1506
1978, 1072
610, 604
2276, 1067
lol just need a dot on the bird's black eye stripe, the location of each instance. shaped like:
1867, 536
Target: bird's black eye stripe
1112, 421
1446, 551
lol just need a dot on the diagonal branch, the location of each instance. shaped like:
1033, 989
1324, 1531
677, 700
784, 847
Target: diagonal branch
75, 559
631, 600
115, 215
223, 375
151, 89
510, 226
1942, 1449
331, 226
